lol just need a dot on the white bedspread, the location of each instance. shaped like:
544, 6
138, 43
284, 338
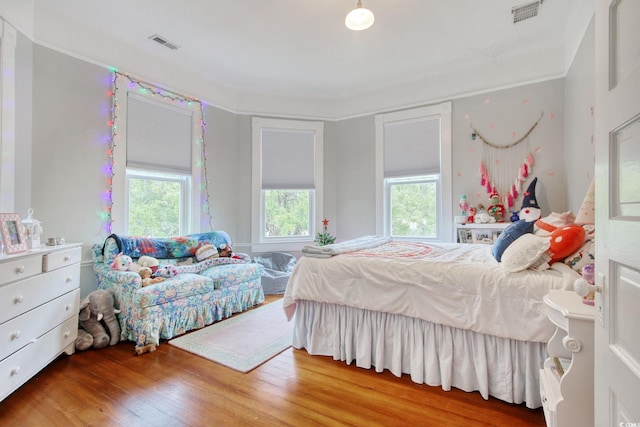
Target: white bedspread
461, 286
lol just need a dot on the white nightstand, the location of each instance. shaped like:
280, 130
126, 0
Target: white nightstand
567, 398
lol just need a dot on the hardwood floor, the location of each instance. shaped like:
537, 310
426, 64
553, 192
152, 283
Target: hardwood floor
170, 387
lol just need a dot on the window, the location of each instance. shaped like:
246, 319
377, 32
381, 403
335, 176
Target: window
413, 203
287, 183
156, 203
155, 181
413, 158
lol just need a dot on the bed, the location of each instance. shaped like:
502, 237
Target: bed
448, 315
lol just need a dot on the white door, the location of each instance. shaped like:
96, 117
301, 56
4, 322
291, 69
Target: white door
617, 325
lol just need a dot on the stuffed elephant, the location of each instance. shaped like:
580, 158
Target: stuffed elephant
84, 340
98, 318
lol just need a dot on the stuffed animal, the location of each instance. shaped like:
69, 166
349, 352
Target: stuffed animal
121, 262
530, 210
472, 215
145, 273
529, 213
225, 251
496, 210
84, 340
205, 252
98, 318
144, 261
166, 271
482, 216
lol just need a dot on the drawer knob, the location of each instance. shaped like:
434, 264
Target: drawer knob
15, 335
20, 269
66, 334
67, 307
67, 258
15, 371
69, 279
18, 299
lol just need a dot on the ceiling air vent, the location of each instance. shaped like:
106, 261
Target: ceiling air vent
159, 39
526, 11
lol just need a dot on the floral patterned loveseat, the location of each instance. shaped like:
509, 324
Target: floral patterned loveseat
201, 294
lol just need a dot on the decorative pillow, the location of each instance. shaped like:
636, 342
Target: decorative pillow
509, 235
587, 252
565, 241
524, 252
545, 226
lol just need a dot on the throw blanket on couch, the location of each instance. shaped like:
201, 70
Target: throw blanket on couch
170, 247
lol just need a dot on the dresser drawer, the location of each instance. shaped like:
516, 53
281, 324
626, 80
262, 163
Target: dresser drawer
16, 369
20, 331
20, 268
25, 295
59, 259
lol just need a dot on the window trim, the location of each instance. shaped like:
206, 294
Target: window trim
445, 215
119, 197
258, 241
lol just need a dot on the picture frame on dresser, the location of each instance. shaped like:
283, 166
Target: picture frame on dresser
12, 233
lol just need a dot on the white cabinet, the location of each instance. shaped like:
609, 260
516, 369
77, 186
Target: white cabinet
478, 233
39, 302
567, 398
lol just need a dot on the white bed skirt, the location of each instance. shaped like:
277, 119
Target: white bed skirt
430, 353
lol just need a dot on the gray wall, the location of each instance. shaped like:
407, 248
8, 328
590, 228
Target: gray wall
579, 121
67, 104
24, 119
355, 177
497, 115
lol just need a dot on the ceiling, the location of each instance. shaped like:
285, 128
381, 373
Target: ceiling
297, 58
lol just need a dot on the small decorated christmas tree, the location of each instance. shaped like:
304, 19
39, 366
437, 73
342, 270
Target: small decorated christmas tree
325, 238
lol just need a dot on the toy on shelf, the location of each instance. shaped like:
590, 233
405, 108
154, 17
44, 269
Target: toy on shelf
482, 216
464, 206
472, 215
496, 210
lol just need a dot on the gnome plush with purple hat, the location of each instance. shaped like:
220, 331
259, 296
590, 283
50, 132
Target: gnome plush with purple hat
529, 213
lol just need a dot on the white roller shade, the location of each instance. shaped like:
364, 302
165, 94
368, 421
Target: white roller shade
287, 159
412, 147
158, 135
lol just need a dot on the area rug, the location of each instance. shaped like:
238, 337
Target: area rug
244, 341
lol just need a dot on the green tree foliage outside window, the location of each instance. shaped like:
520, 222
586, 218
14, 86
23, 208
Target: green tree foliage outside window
154, 207
287, 212
413, 209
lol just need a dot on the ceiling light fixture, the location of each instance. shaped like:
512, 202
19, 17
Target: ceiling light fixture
359, 18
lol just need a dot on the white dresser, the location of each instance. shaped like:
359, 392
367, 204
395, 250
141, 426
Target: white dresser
567, 398
39, 302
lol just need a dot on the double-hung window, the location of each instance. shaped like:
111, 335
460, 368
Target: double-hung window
413, 170
155, 156
287, 182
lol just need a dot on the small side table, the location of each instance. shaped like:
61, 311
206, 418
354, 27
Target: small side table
567, 397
